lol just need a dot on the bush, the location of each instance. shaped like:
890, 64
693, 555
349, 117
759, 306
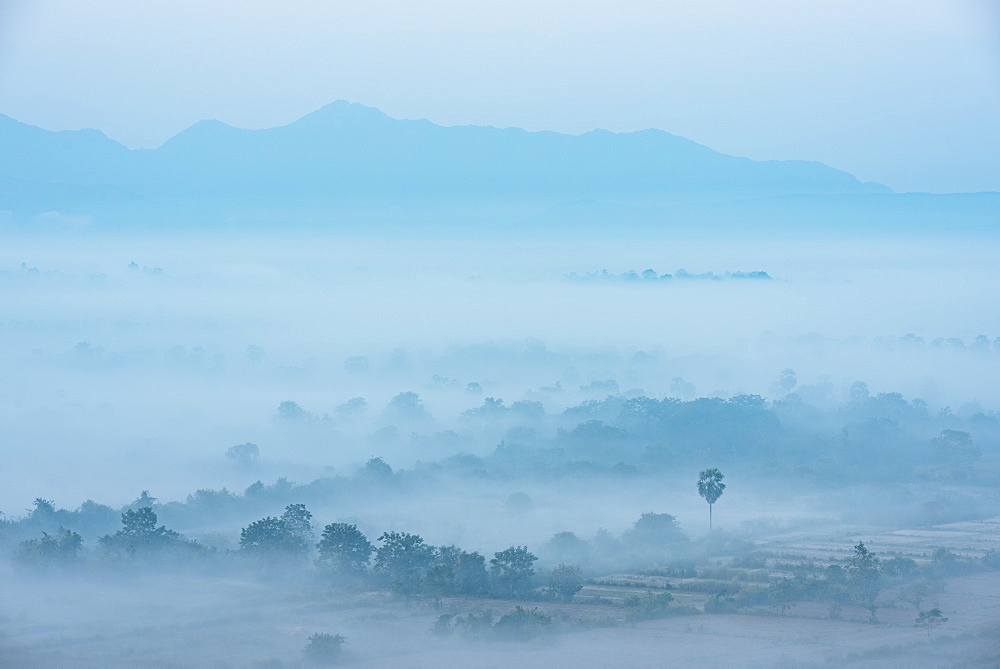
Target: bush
324, 649
61, 549
899, 566
751, 596
522, 625
647, 607
475, 626
720, 604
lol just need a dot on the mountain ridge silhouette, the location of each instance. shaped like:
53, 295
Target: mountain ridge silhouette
348, 150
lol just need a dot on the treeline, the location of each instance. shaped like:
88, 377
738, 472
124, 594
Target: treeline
342, 556
650, 275
399, 561
871, 437
404, 564
879, 439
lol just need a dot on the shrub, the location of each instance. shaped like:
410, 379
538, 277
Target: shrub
647, 607
522, 625
324, 649
720, 604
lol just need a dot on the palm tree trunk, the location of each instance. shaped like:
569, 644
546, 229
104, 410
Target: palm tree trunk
709, 517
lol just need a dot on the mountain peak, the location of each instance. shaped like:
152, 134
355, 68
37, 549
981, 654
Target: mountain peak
341, 111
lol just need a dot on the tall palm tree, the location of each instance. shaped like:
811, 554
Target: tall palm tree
710, 486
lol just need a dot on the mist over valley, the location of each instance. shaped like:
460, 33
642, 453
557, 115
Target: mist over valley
325, 385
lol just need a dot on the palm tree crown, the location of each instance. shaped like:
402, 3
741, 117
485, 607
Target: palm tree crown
710, 486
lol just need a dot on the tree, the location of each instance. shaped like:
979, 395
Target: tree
297, 520
511, 571
567, 547
782, 595
244, 456
376, 469
139, 534
566, 581
43, 508
864, 577
404, 558
271, 539
930, 620
143, 500
343, 549
710, 486
401, 551
655, 530
324, 649
955, 446
61, 549
406, 409
470, 574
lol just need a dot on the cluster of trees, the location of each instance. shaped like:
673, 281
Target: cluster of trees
402, 562
651, 275
139, 537
399, 561
625, 434
61, 548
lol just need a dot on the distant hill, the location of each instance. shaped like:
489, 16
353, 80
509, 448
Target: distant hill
356, 153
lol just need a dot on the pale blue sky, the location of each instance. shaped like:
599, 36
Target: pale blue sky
906, 93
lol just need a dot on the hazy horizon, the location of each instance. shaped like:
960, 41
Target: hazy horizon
290, 382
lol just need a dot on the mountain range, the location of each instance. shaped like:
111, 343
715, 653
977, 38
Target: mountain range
351, 151
351, 167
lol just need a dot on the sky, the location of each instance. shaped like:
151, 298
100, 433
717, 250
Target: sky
902, 92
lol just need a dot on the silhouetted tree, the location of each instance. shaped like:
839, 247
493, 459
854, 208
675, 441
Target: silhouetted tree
244, 456
930, 620
61, 549
272, 539
140, 535
566, 581
143, 500
710, 486
43, 508
297, 519
470, 574
376, 469
955, 446
511, 571
324, 649
567, 547
404, 558
864, 577
343, 549
655, 530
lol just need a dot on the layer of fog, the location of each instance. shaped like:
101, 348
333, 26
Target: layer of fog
121, 378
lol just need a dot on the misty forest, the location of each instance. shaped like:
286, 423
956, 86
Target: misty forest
361, 391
